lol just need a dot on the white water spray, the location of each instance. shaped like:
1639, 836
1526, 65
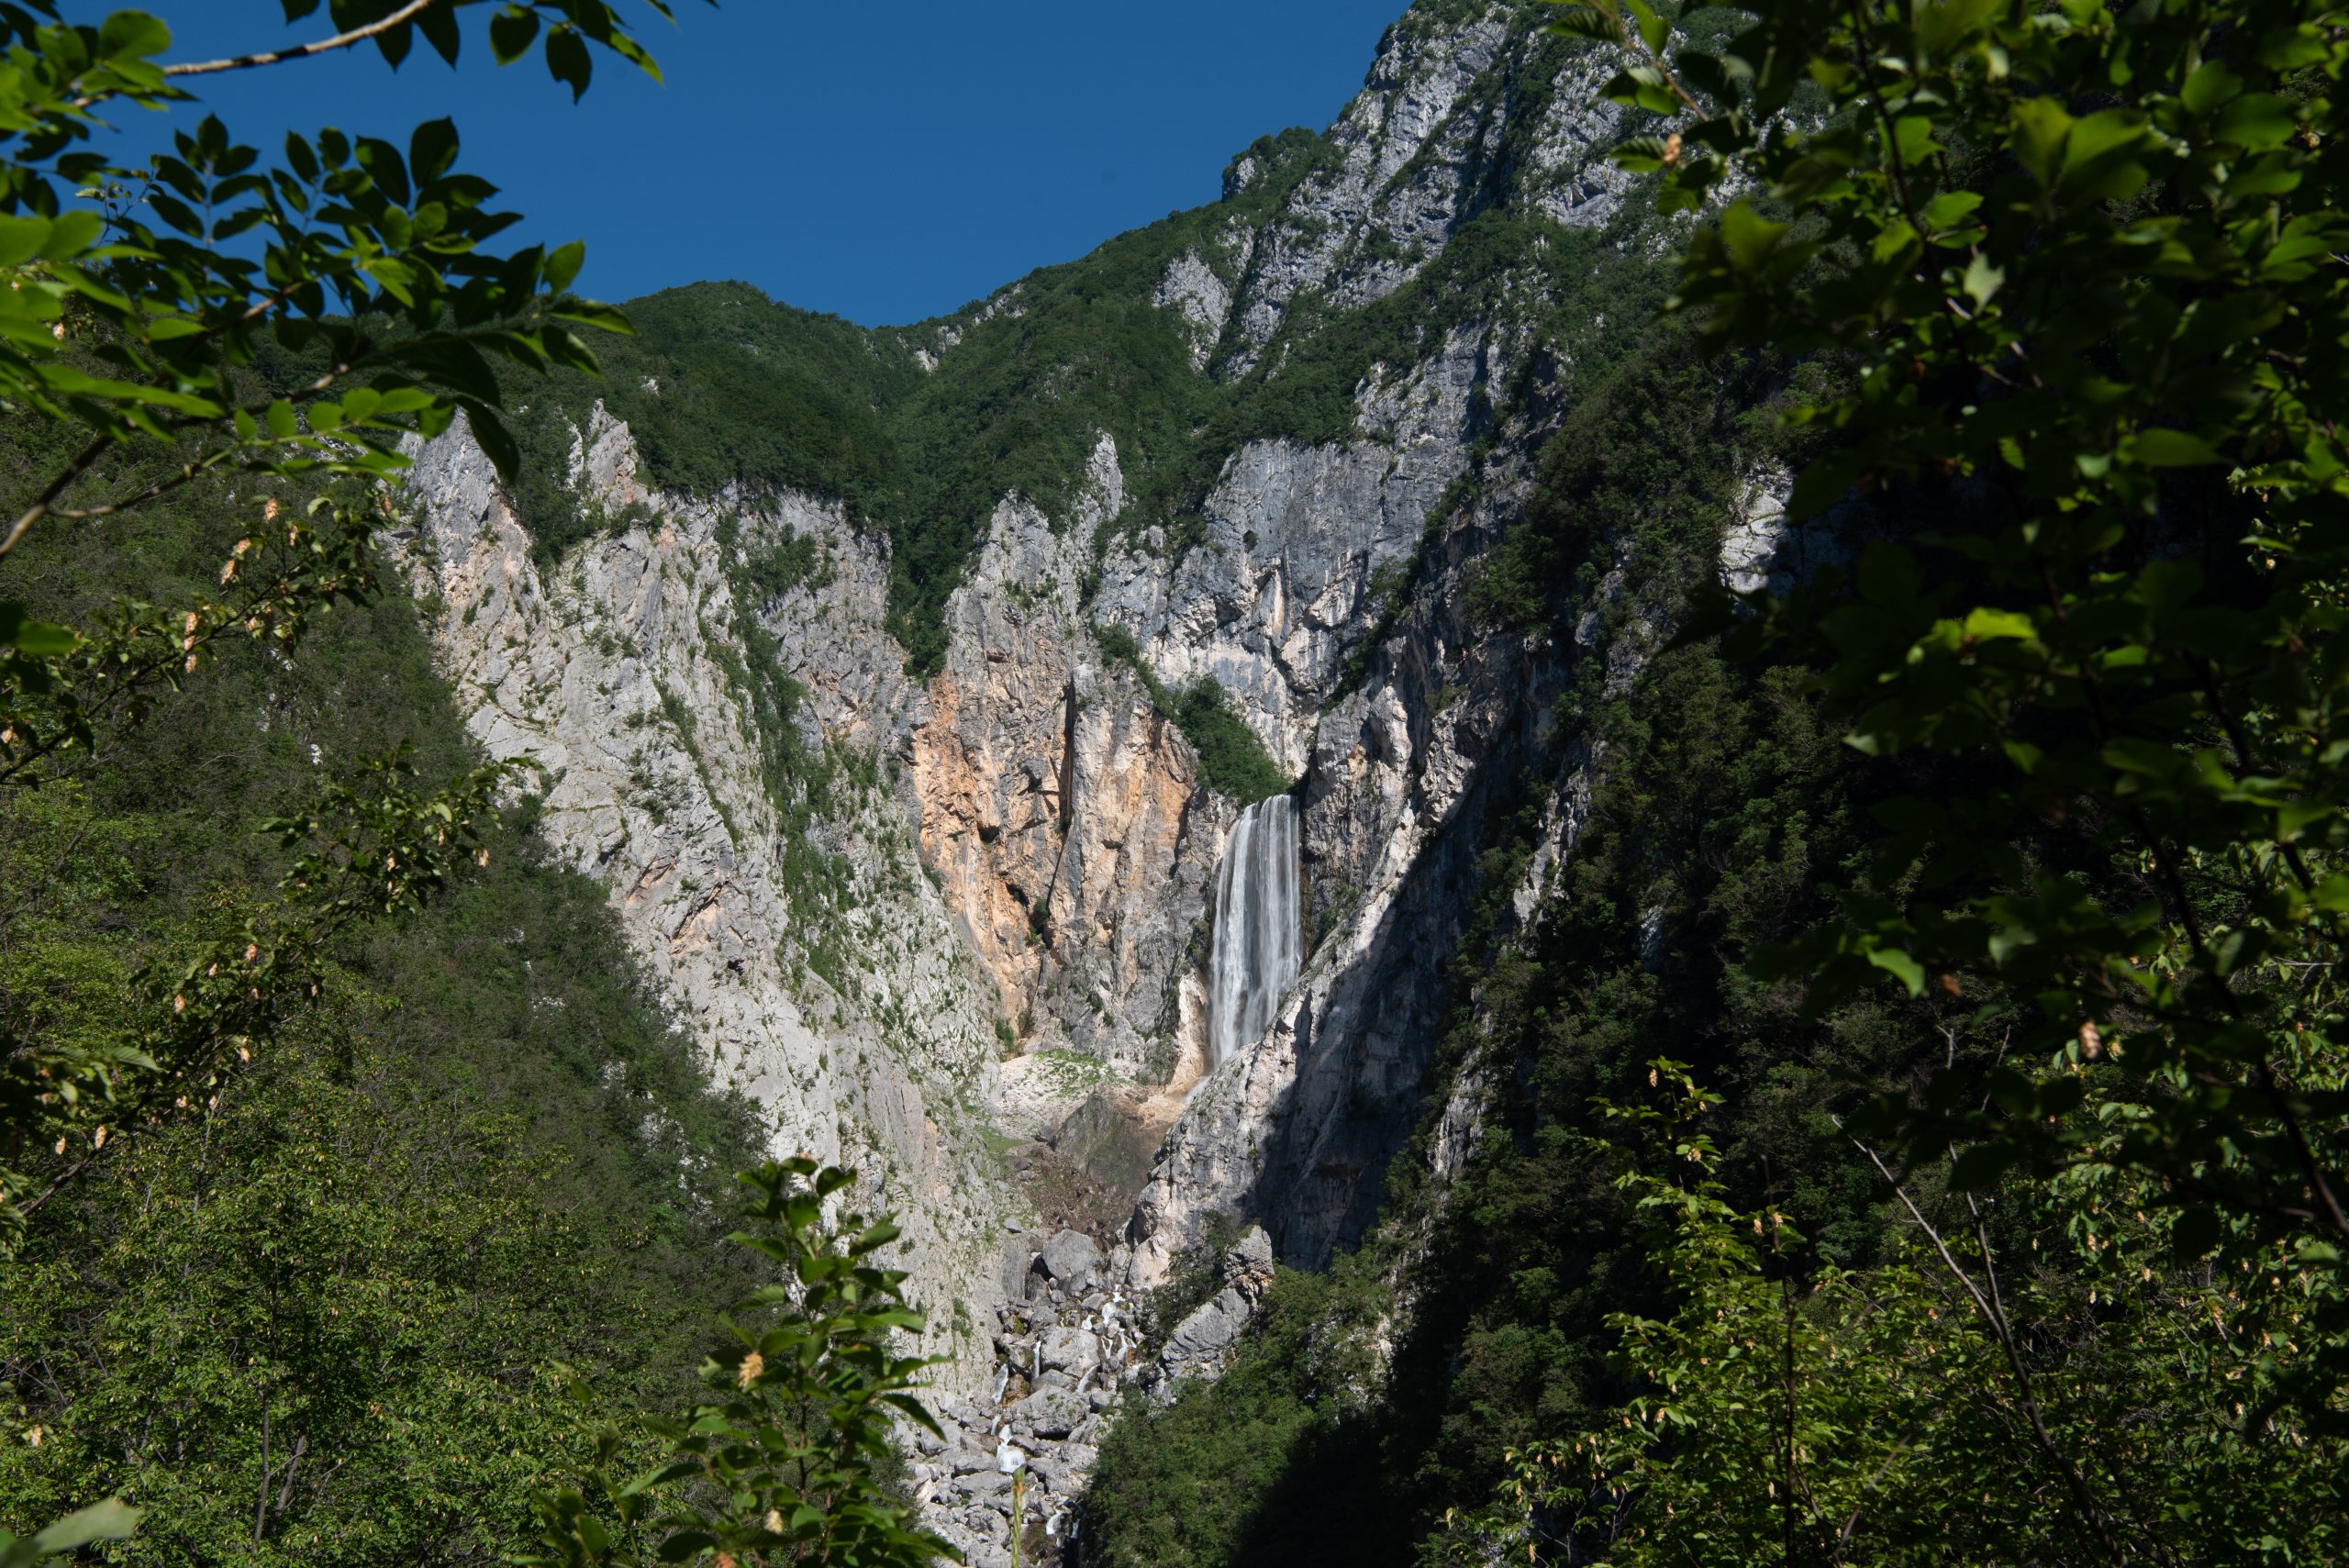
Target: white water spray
1259, 927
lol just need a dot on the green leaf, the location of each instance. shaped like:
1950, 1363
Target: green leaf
2169, 448
132, 35
1901, 967
33, 639
432, 149
562, 265
1982, 280
2036, 134
511, 33
177, 213
21, 238
299, 156
1588, 23
593, 313
1978, 1169
567, 61
1947, 209
385, 167
66, 381
2194, 1231
1749, 236
2211, 85
1655, 31
2256, 121
438, 25
111, 1520
2101, 133
686, 1544
1944, 25
495, 440
1707, 74
1984, 623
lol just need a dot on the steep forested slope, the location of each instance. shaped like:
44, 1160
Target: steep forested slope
318, 1319
892, 702
1717, 819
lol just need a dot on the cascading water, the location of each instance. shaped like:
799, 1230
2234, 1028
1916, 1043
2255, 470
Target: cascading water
1259, 927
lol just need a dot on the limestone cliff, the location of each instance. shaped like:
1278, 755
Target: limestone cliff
919, 918
806, 951
1055, 802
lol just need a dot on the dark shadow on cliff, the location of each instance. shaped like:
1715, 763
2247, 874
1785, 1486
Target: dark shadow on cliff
1364, 1048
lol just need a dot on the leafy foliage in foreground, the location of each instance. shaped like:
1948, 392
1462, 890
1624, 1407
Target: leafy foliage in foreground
1831, 1415
789, 1444
368, 259
2066, 256
297, 1202
480, 1117
1939, 1274
2074, 260
141, 360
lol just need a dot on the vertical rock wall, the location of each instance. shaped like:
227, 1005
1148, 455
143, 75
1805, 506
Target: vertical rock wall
621, 675
998, 911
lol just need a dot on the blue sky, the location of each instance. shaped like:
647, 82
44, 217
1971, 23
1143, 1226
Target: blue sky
884, 160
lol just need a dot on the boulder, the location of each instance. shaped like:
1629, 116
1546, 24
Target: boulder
1249, 1263
1052, 1412
1201, 1343
1072, 1259
1209, 1327
1057, 1475
1072, 1351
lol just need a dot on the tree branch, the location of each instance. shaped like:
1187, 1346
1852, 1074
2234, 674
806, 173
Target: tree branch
301, 51
1995, 1318
56, 488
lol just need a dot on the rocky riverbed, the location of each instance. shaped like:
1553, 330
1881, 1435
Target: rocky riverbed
1069, 1351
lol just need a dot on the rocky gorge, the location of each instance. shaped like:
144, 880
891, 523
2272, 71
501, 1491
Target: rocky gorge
953, 926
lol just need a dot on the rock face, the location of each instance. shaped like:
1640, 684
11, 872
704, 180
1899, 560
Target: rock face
1065, 1340
859, 1023
1202, 1342
908, 916
1329, 596
1193, 287
1055, 803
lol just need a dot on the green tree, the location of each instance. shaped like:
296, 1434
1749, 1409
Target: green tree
2083, 1403
148, 348
292, 318
782, 1461
2077, 262
480, 1148
2066, 274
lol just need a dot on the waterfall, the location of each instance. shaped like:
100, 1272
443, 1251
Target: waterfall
1259, 927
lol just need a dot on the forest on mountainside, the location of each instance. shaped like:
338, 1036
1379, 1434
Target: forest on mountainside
358, 1199
1913, 1130
484, 1152
1910, 1125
